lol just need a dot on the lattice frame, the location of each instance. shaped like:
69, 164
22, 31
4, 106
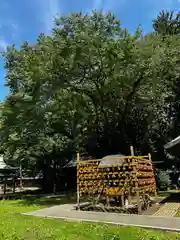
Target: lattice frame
133, 178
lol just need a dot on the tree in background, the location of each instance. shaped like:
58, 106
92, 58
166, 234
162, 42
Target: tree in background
91, 86
167, 23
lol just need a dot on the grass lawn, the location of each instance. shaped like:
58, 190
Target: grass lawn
178, 214
14, 226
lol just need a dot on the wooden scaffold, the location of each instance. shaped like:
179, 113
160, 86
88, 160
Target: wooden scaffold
120, 182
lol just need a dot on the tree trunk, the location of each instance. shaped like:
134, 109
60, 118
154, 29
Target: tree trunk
5, 186
47, 184
54, 177
14, 184
20, 176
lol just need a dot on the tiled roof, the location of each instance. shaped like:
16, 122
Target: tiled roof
3, 165
173, 143
112, 160
107, 160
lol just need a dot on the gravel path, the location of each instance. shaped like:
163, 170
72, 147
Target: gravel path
67, 212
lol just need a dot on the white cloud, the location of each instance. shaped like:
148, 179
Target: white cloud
107, 5
14, 26
49, 9
14, 30
114, 4
8, 27
3, 44
8, 33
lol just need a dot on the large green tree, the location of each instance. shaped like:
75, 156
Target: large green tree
90, 86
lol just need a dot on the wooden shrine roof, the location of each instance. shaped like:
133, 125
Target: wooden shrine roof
173, 147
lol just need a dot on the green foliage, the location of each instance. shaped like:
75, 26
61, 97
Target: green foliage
167, 23
163, 180
91, 86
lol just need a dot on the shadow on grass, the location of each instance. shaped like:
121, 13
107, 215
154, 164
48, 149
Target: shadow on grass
173, 197
164, 194
48, 200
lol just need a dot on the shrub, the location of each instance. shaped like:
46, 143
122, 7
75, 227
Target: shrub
162, 180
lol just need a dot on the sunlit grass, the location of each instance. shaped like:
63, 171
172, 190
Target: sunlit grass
14, 226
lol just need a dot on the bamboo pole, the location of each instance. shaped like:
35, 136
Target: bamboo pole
149, 156
84, 162
132, 150
78, 195
136, 179
129, 181
155, 192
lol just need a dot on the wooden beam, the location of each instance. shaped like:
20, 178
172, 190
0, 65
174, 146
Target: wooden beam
78, 195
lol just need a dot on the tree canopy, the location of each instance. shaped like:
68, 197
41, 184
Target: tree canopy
167, 23
93, 87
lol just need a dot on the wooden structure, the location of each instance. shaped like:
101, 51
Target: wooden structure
7, 173
127, 178
173, 147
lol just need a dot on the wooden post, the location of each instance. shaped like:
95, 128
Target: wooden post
138, 197
136, 180
107, 201
155, 192
132, 150
20, 176
129, 195
130, 177
78, 195
5, 185
14, 185
149, 156
122, 200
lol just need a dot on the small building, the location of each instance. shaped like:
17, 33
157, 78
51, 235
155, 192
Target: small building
173, 147
7, 173
6, 170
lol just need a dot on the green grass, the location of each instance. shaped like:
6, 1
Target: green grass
178, 214
14, 226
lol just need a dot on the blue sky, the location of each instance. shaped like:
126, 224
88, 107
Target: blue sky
23, 19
